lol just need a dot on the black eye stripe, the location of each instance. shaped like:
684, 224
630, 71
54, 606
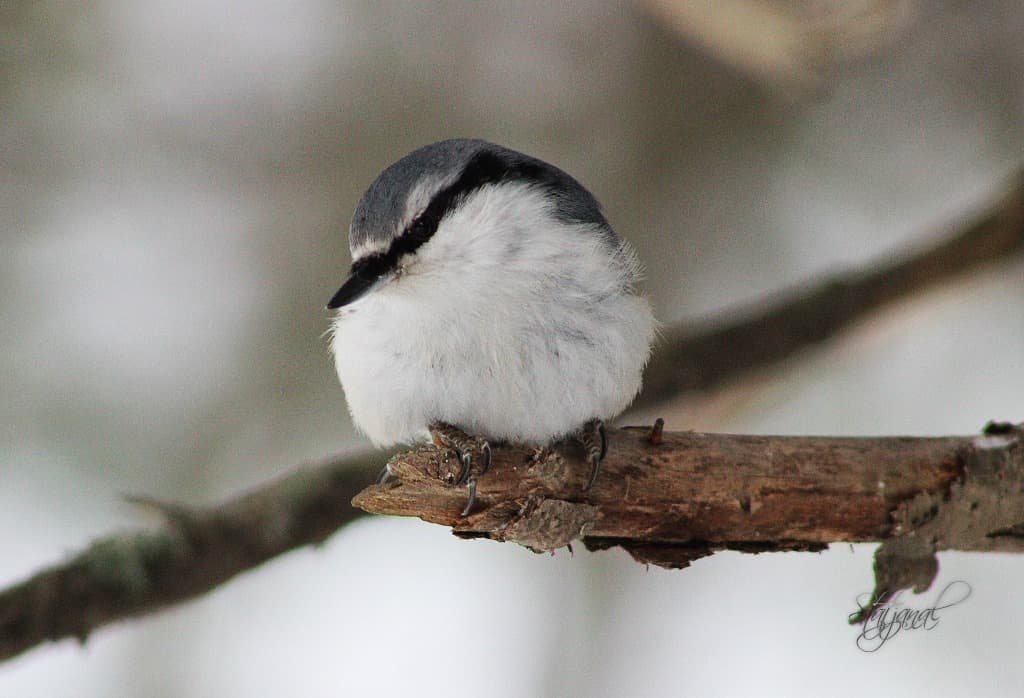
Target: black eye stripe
571, 203
485, 168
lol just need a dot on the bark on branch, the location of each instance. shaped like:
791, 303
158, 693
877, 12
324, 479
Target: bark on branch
670, 498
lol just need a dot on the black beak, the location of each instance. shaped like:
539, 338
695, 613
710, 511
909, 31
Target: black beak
354, 288
366, 272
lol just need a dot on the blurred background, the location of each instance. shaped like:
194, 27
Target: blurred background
176, 181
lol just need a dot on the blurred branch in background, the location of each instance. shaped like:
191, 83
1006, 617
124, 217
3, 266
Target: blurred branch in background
195, 549
791, 44
703, 358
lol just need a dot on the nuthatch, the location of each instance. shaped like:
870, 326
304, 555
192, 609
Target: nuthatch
489, 300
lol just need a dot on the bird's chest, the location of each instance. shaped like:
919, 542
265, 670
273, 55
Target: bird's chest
403, 344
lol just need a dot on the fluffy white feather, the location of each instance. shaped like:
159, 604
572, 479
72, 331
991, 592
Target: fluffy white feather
509, 323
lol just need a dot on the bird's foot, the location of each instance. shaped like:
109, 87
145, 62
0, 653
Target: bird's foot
384, 476
448, 436
595, 444
539, 455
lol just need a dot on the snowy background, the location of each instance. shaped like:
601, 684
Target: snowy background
176, 180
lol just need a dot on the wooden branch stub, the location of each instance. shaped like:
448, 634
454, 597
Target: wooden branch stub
671, 500
690, 489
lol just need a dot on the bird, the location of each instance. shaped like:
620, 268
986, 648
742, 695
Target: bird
488, 301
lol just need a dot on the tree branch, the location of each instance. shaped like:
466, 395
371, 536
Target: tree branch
702, 357
127, 575
671, 499
122, 576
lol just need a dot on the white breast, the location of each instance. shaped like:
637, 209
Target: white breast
508, 323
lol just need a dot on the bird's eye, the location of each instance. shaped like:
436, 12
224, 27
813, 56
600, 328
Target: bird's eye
418, 229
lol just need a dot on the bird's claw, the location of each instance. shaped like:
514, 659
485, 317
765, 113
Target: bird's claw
595, 442
471, 500
385, 476
595, 468
467, 464
463, 445
485, 451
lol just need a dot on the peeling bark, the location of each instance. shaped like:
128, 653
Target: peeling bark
670, 498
